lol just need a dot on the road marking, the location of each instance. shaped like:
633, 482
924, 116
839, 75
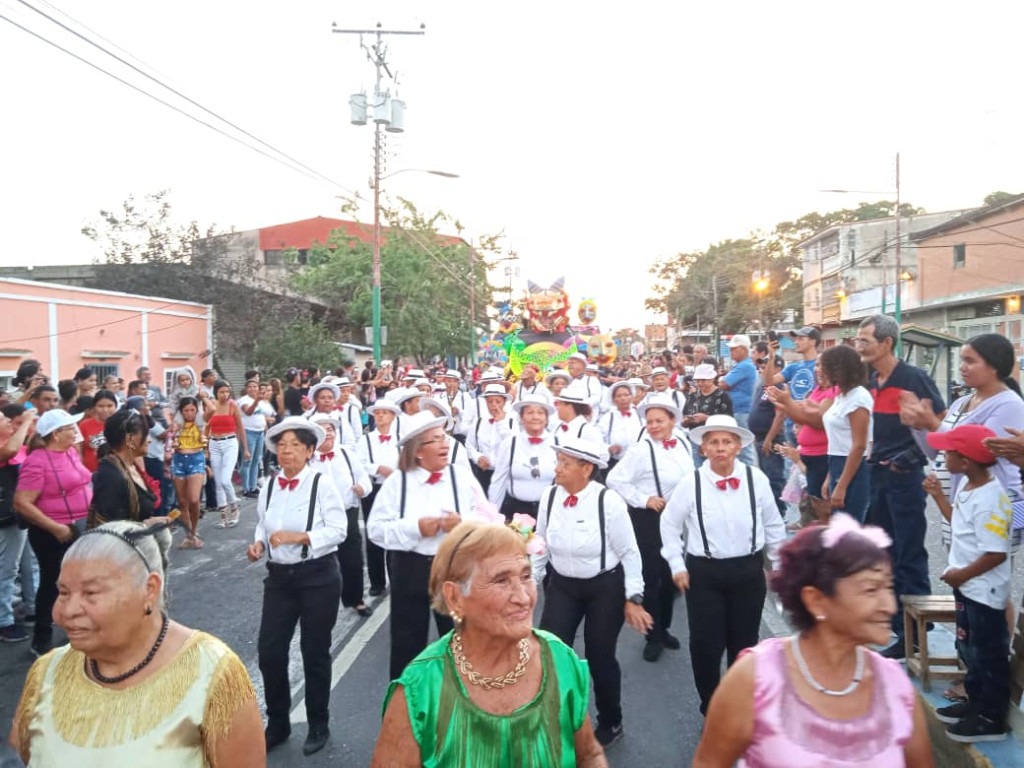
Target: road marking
345, 659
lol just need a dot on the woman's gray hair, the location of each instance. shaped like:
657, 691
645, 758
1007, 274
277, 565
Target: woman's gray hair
131, 546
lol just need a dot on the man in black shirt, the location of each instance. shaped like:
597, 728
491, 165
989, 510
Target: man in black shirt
293, 395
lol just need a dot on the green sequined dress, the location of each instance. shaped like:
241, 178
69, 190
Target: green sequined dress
453, 732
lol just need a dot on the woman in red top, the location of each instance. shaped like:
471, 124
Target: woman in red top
103, 406
225, 433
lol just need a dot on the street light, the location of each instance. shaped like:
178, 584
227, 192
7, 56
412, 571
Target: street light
760, 279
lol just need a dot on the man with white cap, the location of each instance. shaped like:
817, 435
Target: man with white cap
592, 571
378, 451
716, 529
459, 403
646, 478
739, 382
493, 426
415, 508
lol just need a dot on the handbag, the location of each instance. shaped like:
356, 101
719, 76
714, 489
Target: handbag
78, 527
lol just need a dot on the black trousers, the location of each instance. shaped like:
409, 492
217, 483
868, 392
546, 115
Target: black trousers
659, 589
513, 506
483, 476
600, 603
723, 607
306, 594
49, 553
211, 491
350, 560
375, 562
410, 608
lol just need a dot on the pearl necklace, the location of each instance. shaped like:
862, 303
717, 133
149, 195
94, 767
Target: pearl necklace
858, 672
509, 678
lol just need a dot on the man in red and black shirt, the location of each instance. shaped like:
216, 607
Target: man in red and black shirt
897, 462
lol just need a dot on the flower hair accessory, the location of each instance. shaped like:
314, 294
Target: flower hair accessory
524, 525
842, 524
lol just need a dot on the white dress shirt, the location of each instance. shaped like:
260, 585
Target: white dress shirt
633, 477
578, 427
678, 398
388, 528
458, 454
538, 388
345, 480
487, 436
525, 475
727, 518
289, 511
350, 416
462, 402
375, 453
573, 537
620, 430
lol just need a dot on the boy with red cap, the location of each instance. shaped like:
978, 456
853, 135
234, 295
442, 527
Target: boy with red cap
979, 573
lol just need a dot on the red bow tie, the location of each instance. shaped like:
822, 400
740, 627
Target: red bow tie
729, 482
434, 478
288, 485
565, 427
385, 438
625, 412
326, 456
669, 444
491, 421
536, 440
570, 500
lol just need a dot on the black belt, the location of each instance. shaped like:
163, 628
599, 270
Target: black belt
739, 558
225, 437
273, 565
608, 572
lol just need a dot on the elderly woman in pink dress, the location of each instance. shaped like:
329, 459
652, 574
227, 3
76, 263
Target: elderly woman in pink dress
821, 699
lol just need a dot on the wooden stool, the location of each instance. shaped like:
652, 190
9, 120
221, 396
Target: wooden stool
918, 610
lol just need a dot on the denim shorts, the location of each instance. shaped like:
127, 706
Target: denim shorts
188, 464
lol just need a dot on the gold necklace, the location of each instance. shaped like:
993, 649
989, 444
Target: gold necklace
509, 678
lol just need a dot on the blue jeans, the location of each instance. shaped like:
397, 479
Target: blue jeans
981, 640
251, 466
897, 506
774, 466
748, 455
15, 562
858, 494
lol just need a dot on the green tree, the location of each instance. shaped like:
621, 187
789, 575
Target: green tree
427, 282
999, 197
300, 342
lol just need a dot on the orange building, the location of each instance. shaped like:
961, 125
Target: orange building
67, 327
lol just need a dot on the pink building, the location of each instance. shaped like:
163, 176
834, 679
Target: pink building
67, 328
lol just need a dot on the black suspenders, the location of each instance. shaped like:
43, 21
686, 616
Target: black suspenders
657, 480
753, 512
511, 458
369, 446
309, 516
344, 455
600, 522
455, 493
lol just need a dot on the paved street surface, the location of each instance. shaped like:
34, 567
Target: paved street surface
216, 589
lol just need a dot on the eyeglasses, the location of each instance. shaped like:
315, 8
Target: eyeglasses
435, 440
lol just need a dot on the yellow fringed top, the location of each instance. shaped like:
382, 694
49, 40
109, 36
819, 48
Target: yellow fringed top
172, 719
190, 438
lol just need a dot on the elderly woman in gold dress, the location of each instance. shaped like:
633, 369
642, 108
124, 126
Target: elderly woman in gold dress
133, 687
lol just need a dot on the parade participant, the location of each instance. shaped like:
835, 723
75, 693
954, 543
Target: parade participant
324, 398
528, 384
661, 385
525, 464
104, 404
408, 399
574, 410
708, 401
226, 435
847, 425
556, 381
595, 389
459, 403
714, 532
52, 496
457, 452
188, 468
639, 389
190, 700
351, 411
822, 697
300, 523
349, 476
415, 508
645, 478
119, 490
378, 450
621, 426
493, 426
495, 692
593, 571
411, 375
257, 415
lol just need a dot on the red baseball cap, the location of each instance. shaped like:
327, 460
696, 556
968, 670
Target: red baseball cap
965, 440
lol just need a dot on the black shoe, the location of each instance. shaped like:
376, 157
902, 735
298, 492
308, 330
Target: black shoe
898, 650
376, 591
364, 610
608, 734
671, 642
29, 619
275, 736
974, 728
316, 740
652, 650
41, 646
953, 713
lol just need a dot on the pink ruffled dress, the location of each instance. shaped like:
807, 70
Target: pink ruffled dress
789, 733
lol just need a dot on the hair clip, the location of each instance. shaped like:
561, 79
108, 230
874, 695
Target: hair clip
842, 524
524, 525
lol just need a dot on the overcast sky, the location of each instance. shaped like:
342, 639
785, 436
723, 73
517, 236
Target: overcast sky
597, 141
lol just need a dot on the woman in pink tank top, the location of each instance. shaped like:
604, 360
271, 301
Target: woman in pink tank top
821, 699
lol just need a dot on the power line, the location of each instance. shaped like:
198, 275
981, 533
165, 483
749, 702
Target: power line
291, 164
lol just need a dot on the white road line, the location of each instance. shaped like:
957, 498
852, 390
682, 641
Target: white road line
350, 653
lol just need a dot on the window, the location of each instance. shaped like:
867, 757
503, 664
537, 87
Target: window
959, 256
851, 246
102, 371
273, 258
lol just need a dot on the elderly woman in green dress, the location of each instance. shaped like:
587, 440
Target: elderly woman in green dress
495, 691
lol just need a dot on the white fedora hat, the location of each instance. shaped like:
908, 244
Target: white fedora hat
578, 356
442, 406
495, 390
451, 373
704, 372
619, 385
414, 373
659, 370
334, 419
322, 386
658, 400
638, 384
384, 404
406, 393
722, 423
587, 450
533, 399
419, 423
574, 393
294, 424
558, 373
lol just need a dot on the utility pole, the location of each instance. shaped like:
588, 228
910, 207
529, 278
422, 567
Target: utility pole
714, 308
377, 54
899, 265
